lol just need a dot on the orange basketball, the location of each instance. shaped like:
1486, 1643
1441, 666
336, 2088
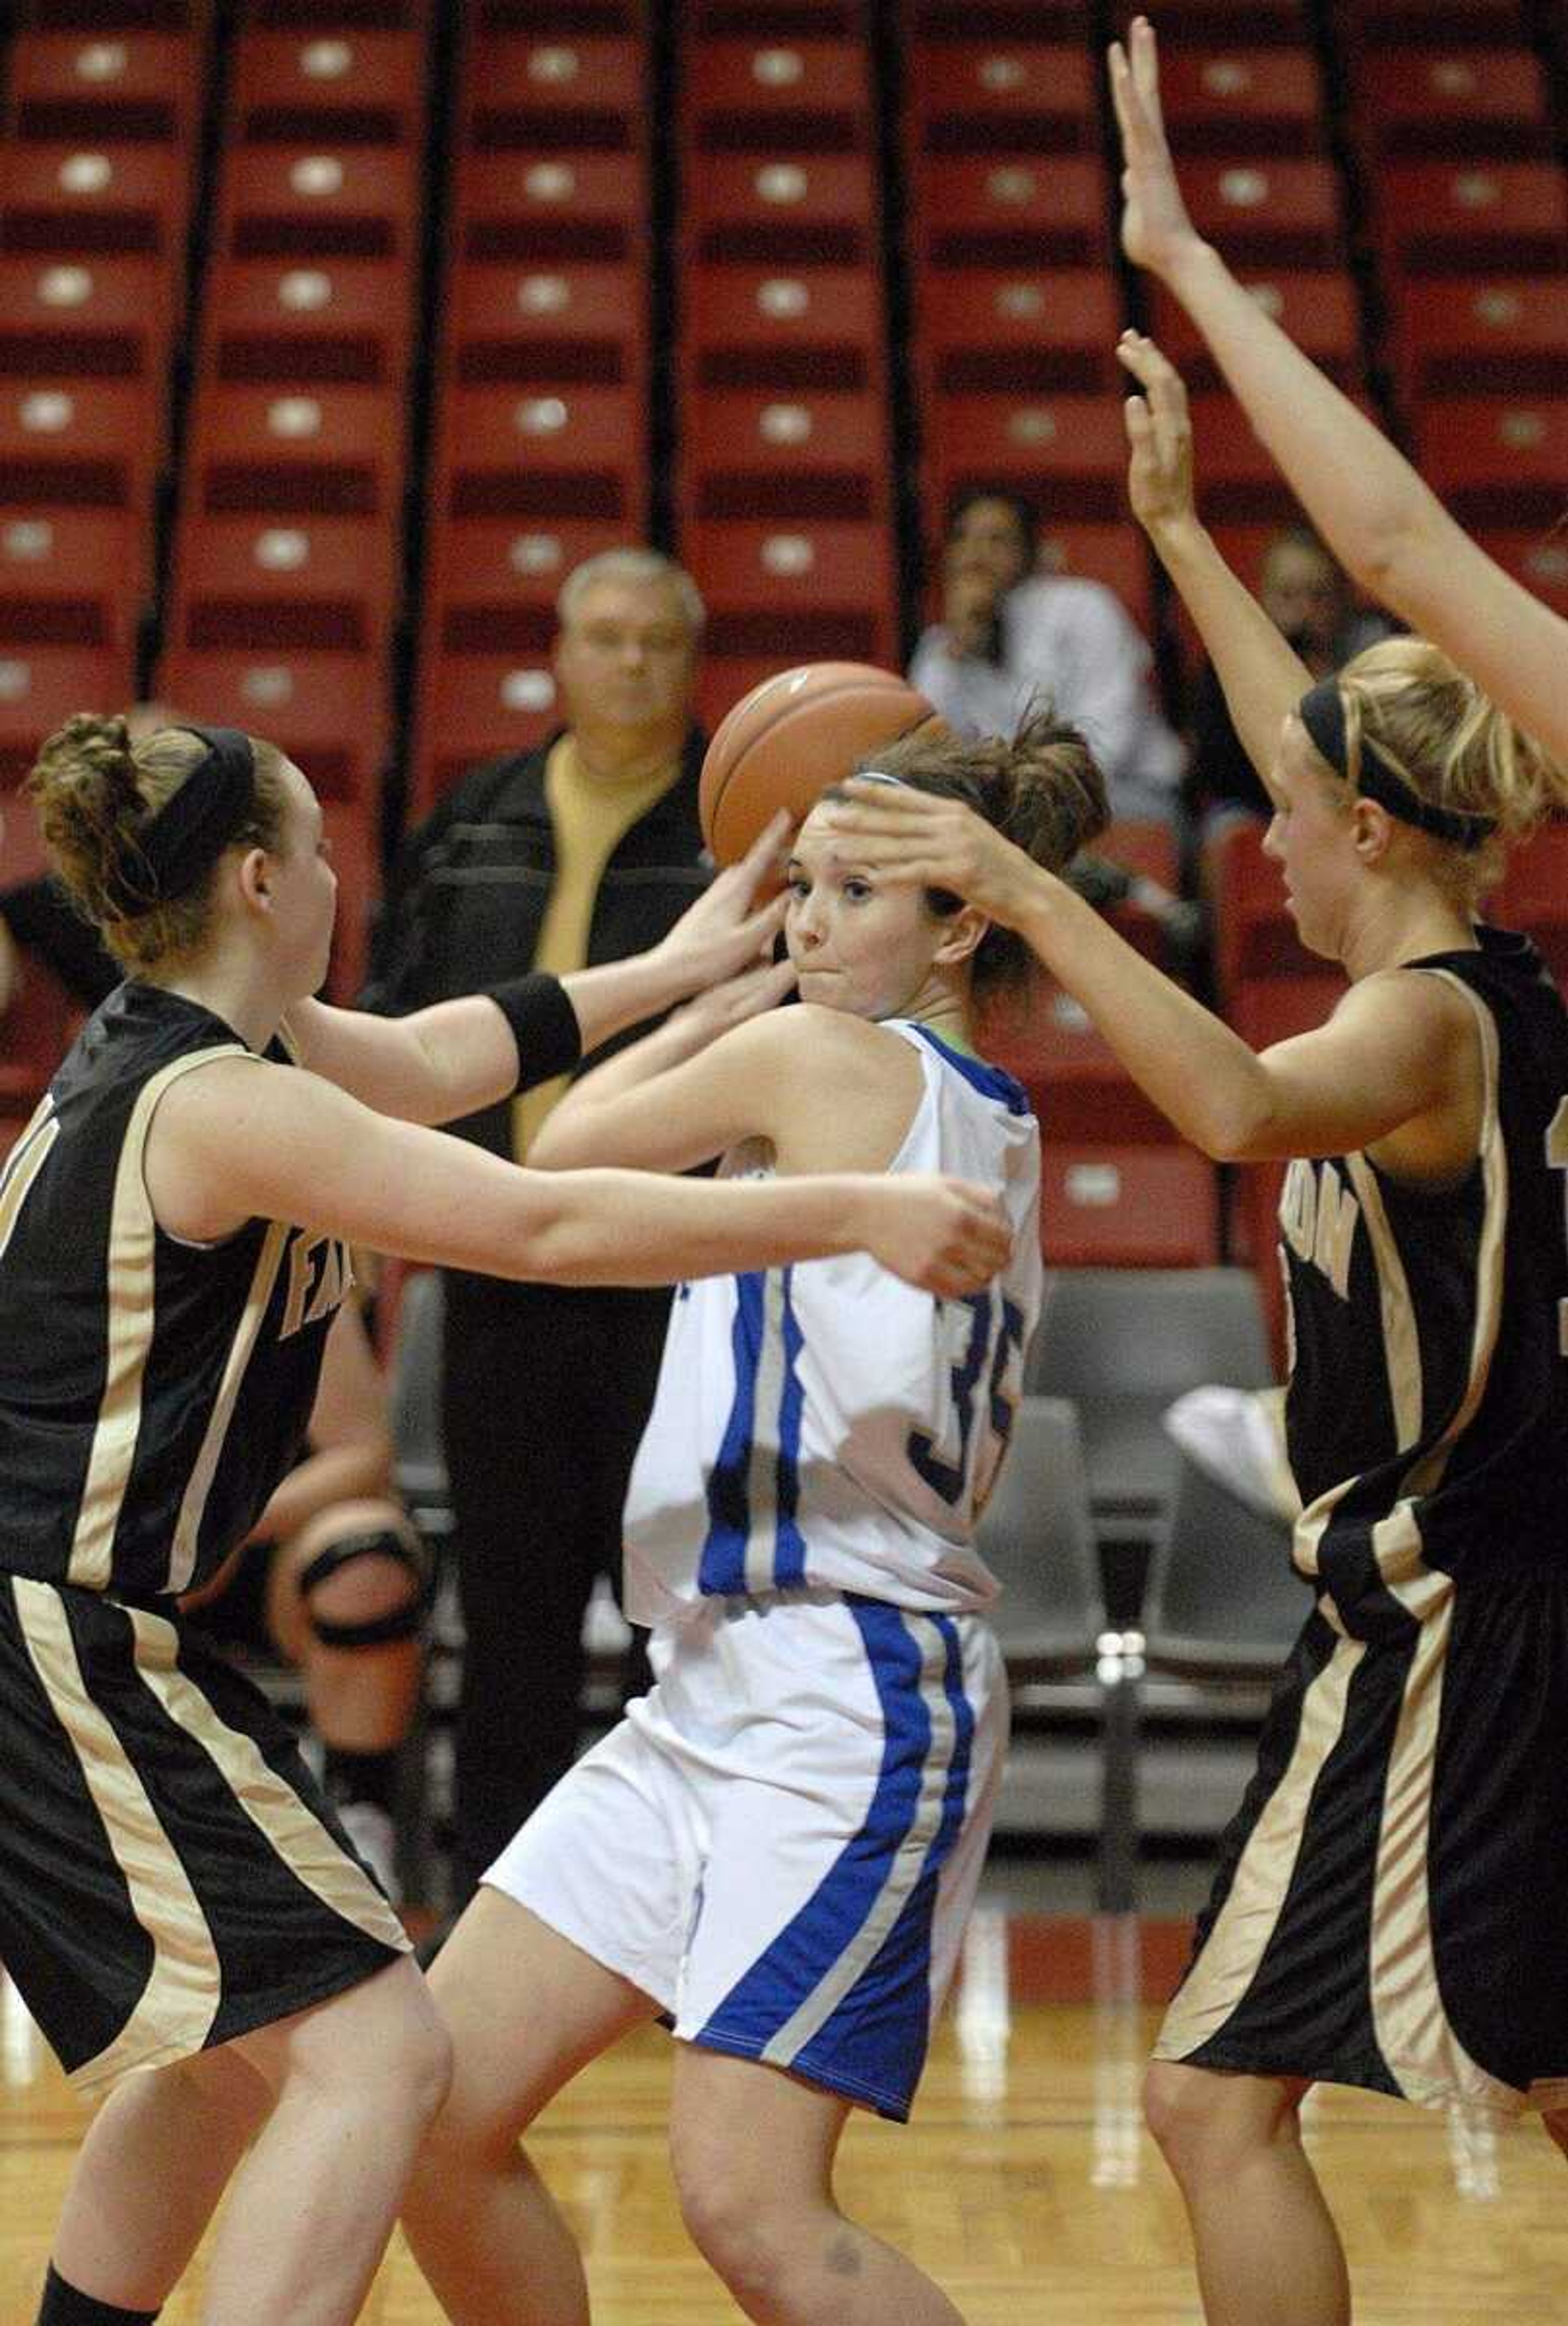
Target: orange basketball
791, 737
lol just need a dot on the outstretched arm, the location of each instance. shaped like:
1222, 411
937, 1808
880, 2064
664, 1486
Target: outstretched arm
1262, 678
1382, 523
243, 1137
456, 1056
1387, 1057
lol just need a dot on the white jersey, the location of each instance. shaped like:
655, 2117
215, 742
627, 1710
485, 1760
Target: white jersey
826, 1425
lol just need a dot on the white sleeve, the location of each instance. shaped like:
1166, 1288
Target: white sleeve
1101, 684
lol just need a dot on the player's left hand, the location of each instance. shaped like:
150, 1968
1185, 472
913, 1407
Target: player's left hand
1159, 430
727, 931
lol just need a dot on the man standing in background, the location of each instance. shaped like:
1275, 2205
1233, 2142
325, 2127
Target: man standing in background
583, 850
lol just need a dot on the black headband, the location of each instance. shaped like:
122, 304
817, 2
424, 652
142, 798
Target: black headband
1321, 711
188, 834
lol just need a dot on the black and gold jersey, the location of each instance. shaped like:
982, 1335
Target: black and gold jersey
151, 1393
1428, 1403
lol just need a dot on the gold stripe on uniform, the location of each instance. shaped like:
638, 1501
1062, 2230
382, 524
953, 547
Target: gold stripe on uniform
1415, 2036
1246, 1923
1401, 1341
198, 1485
276, 1810
133, 1237
176, 2009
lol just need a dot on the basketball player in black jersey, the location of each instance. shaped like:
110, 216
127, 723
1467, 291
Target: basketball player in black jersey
176, 1897
1391, 1909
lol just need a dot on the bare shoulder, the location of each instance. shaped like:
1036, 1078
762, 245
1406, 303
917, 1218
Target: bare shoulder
852, 1089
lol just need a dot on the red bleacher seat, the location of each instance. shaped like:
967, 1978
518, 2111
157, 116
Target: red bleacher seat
1467, 335
1254, 935
781, 208
807, 327
86, 443
472, 708
1016, 210
1071, 448
1533, 895
532, 207
554, 89
328, 711
813, 96
1533, 555
128, 87
1429, 23
338, 320
352, 842
1502, 457
347, 83
754, 455
1003, 96
118, 199
40, 686
528, 452
801, 593
86, 318
1263, 212
1016, 332
328, 450
320, 199
1077, 1086
1127, 1207
310, 583
1235, 100
1451, 101
71, 577
1473, 217
490, 585
566, 325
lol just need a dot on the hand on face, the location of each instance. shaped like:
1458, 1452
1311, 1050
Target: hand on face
917, 840
1154, 227
1160, 433
972, 593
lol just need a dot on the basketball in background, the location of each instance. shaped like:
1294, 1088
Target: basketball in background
791, 737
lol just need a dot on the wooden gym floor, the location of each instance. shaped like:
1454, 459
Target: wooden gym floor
1024, 2184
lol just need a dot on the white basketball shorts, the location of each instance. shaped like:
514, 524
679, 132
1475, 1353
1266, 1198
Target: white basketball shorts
780, 1843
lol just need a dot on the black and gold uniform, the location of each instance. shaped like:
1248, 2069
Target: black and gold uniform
170, 1873
1391, 1904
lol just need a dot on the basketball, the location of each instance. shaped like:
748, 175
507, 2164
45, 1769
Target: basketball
785, 741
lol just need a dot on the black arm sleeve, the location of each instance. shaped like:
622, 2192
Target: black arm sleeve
543, 1026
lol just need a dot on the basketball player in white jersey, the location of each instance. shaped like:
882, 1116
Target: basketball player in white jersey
180, 1907
776, 1849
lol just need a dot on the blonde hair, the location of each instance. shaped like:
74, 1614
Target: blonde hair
95, 791
1453, 748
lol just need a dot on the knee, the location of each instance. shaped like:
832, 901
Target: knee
364, 1585
1208, 2125
740, 2234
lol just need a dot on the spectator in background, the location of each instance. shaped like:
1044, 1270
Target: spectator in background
1009, 631
586, 849
1308, 600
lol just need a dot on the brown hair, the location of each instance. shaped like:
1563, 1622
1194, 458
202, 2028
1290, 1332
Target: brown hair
96, 790
1042, 790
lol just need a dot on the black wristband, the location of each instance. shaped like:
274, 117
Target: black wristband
543, 1026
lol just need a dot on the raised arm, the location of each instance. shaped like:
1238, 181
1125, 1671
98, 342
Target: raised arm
1382, 523
242, 1138
1393, 1050
1261, 675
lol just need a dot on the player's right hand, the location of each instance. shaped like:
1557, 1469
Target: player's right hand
948, 1237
